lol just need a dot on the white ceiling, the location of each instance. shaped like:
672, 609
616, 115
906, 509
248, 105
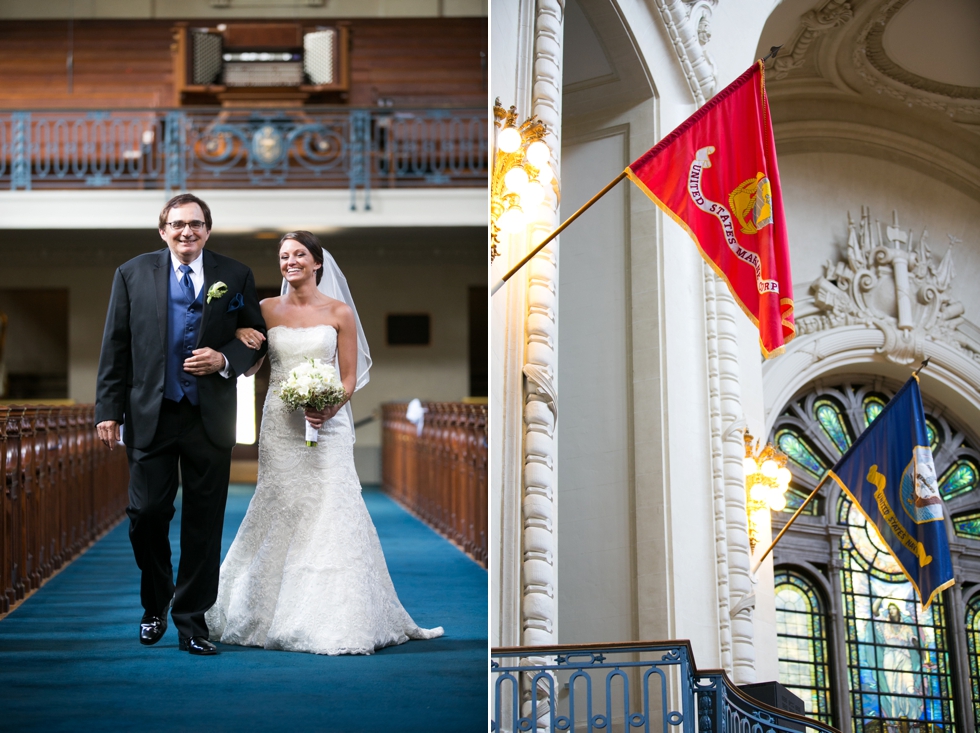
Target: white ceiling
937, 39
897, 80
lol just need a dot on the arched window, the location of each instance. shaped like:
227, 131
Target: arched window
801, 626
898, 663
973, 645
819, 425
898, 654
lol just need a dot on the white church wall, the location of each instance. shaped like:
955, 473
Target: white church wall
596, 598
88, 299
820, 188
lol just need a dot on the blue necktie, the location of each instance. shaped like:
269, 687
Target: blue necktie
185, 281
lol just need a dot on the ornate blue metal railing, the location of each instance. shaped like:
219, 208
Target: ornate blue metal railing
647, 686
236, 148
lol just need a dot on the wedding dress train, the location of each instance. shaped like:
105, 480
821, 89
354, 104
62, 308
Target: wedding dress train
306, 571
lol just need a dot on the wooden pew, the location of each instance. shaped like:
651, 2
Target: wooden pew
440, 475
62, 491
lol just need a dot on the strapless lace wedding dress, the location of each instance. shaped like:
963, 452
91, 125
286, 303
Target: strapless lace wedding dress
306, 571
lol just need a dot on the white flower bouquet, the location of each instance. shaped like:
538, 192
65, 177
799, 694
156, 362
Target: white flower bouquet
313, 384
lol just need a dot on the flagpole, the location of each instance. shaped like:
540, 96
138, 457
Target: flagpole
500, 283
787, 525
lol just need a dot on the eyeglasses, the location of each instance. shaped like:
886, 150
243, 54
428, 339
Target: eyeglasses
178, 226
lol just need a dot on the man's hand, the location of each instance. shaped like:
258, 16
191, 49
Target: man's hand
204, 361
108, 432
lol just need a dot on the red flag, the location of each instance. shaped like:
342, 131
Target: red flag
716, 176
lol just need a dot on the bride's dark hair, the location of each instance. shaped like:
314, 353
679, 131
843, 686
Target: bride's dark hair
308, 240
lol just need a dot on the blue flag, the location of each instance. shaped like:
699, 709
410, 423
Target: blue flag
890, 476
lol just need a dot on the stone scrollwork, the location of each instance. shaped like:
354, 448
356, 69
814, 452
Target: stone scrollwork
831, 14
889, 281
688, 24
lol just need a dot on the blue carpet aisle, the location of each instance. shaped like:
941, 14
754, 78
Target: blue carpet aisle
70, 659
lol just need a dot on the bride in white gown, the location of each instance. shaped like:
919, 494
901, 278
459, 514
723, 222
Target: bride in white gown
305, 571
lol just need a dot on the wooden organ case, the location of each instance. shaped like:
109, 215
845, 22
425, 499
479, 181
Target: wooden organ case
261, 64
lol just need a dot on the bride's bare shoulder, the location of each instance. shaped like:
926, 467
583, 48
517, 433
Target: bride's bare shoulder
270, 308
337, 307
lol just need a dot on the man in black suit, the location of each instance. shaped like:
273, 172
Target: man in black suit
168, 373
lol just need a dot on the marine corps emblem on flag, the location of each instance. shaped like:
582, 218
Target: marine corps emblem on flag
752, 198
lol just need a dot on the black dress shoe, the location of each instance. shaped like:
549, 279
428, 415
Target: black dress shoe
197, 645
152, 628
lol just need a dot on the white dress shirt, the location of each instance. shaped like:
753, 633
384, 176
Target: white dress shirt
197, 271
197, 280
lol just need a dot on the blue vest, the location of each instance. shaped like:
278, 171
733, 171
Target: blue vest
183, 324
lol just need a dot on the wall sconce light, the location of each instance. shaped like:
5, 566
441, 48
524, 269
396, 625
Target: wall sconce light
521, 170
766, 481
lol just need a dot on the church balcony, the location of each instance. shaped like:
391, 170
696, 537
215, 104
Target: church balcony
648, 686
205, 148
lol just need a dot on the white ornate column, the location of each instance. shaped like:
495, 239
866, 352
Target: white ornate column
688, 25
736, 594
718, 497
540, 572
742, 592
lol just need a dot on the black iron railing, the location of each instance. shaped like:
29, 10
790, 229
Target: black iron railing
238, 148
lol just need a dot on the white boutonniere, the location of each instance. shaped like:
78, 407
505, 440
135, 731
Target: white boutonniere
217, 290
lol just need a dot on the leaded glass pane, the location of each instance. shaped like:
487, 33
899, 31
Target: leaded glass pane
959, 478
873, 405
968, 525
898, 656
802, 643
932, 432
973, 649
798, 451
795, 498
829, 416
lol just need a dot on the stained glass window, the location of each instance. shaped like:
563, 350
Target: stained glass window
816, 428
801, 626
829, 416
873, 405
973, 647
795, 498
932, 431
897, 653
958, 479
799, 451
967, 525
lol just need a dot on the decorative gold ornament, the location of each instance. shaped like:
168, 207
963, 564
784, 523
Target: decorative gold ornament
521, 173
766, 482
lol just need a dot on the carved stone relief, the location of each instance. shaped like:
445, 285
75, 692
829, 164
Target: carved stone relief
889, 281
688, 24
831, 14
